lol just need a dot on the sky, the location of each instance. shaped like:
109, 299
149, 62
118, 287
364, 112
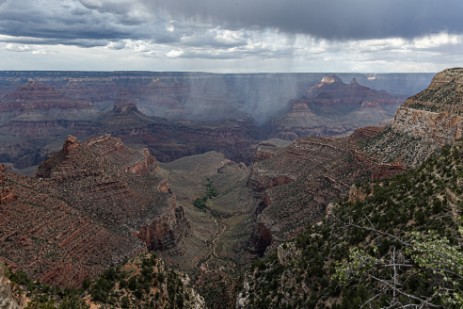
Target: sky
232, 36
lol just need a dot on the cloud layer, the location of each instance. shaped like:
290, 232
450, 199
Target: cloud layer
237, 35
329, 19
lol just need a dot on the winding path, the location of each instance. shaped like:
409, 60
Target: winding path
212, 244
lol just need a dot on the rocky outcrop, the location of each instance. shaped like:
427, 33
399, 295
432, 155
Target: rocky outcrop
104, 177
92, 205
8, 300
166, 230
436, 113
442, 128
426, 122
444, 94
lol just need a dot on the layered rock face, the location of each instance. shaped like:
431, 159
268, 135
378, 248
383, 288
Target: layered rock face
425, 122
117, 185
442, 128
296, 183
332, 107
35, 107
234, 138
435, 113
38, 96
92, 205
34, 115
53, 242
200, 112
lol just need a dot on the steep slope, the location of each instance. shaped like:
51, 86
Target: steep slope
394, 242
296, 183
141, 282
399, 244
50, 240
93, 204
35, 95
38, 109
220, 209
425, 122
103, 177
332, 107
32, 116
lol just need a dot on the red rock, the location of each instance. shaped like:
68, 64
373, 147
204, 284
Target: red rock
79, 216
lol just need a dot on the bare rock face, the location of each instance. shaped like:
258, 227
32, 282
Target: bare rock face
440, 127
92, 205
37, 109
426, 122
297, 183
437, 112
166, 229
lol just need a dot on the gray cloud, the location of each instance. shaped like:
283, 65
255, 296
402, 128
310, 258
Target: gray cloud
331, 19
97, 22
83, 23
243, 35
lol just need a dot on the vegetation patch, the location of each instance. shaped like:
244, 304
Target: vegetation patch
401, 247
211, 192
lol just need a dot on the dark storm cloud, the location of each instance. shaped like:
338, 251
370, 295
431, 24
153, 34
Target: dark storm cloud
331, 19
84, 23
234, 29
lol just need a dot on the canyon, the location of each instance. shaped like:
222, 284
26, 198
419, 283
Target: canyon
381, 218
131, 181
180, 114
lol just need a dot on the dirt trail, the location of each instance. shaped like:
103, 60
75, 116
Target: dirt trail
212, 244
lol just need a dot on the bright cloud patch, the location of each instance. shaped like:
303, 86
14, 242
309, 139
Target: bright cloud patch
175, 53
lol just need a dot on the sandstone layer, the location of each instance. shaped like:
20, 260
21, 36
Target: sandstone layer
296, 183
425, 122
92, 205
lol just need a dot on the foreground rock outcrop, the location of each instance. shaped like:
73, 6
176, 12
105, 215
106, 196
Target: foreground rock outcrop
92, 205
425, 122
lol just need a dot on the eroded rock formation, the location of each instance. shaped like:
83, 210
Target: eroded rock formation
297, 182
92, 205
425, 122
332, 107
